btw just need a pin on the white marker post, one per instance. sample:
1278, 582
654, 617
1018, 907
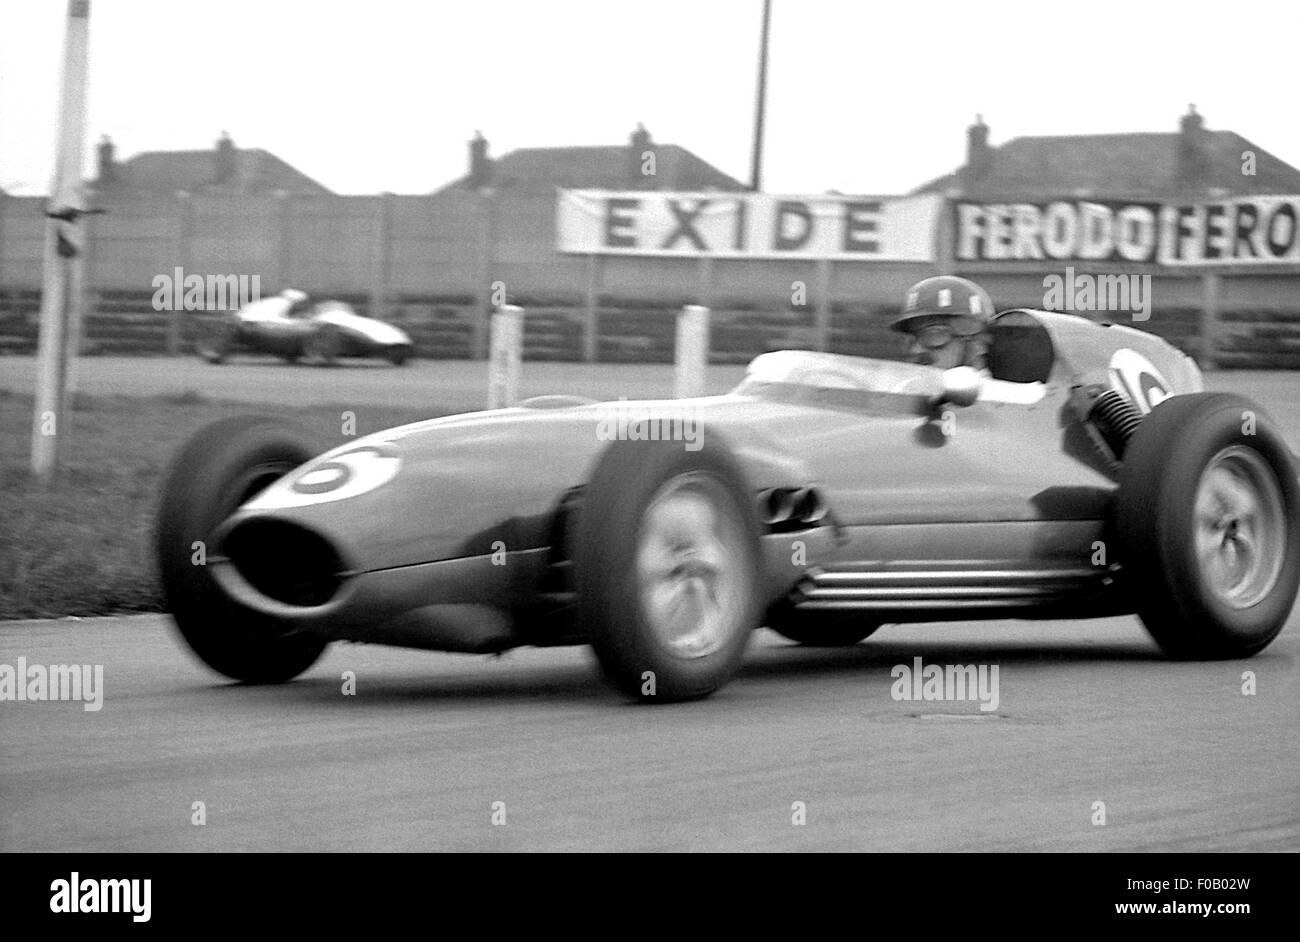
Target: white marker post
505, 356
64, 249
692, 354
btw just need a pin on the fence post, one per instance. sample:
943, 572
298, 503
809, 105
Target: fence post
945, 235
487, 261
383, 256
181, 256
692, 352
705, 285
81, 282
4, 209
1209, 320
822, 308
284, 247
505, 357
591, 309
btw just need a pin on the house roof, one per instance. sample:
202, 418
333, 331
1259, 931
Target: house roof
256, 171
602, 167
1119, 165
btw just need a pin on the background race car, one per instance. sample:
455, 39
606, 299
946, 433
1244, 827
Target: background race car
292, 326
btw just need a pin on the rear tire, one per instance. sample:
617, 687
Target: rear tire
221, 467
398, 355
667, 567
215, 342
323, 347
1208, 523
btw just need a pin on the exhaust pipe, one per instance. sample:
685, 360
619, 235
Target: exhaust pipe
793, 508
809, 507
780, 506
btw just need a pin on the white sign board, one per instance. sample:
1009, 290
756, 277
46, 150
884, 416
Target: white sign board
748, 225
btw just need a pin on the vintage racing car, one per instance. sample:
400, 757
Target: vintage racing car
292, 326
1088, 474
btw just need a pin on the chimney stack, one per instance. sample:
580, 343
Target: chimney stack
107, 165
1192, 155
979, 156
637, 161
480, 164
225, 159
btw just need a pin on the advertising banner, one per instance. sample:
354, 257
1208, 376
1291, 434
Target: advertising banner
1239, 231
747, 225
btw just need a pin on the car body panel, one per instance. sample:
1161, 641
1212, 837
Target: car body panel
366, 329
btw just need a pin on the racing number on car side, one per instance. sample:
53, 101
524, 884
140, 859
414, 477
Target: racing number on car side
1136, 378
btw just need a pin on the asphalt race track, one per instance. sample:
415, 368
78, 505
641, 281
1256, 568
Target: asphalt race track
416, 758
448, 385
1088, 712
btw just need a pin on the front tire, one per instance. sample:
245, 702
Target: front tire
667, 567
1208, 522
221, 467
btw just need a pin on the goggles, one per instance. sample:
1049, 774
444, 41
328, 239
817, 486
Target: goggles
934, 336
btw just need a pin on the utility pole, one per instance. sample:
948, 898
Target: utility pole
756, 165
64, 265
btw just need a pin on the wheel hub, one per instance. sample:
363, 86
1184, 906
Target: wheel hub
1240, 527
690, 567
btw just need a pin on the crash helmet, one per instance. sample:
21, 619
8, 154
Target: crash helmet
964, 305
293, 295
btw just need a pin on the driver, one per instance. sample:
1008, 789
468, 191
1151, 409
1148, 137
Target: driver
945, 319
299, 301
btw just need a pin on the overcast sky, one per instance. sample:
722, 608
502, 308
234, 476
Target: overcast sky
864, 97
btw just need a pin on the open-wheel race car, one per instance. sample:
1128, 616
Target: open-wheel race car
292, 326
1087, 473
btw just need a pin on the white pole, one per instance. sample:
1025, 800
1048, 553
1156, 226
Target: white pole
64, 246
505, 357
692, 354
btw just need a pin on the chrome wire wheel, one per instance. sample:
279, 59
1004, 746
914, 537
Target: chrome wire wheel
1240, 527
693, 575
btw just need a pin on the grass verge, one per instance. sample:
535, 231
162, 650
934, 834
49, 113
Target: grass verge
83, 545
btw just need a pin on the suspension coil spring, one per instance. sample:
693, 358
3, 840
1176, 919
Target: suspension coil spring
1116, 419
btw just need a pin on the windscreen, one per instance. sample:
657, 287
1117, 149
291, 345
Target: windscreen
833, 371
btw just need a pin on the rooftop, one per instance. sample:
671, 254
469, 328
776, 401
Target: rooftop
251, 171
605, 167
1121, 165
